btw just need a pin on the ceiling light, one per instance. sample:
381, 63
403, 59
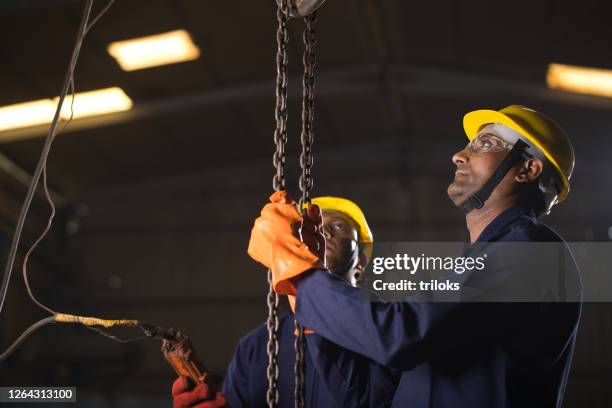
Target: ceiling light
26, 114
93, 103
154, 50
593, 81
40, 112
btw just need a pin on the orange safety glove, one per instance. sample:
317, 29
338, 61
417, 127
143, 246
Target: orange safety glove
184, 396
275, 241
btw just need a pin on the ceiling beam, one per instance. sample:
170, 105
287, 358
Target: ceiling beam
360, 79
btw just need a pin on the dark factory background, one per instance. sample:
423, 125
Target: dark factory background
155, 204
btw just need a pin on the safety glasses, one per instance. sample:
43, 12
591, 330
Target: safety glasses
487, 142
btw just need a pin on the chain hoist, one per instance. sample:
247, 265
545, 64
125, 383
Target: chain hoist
306, 9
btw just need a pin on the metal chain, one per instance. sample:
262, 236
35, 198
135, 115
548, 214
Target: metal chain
272, 396
306, 137
299, 345
278, 183
280, 114
306, 182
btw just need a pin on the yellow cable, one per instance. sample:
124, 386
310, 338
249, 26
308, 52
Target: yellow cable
93, 321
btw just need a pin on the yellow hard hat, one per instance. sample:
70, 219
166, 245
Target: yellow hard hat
350, 209
538, 130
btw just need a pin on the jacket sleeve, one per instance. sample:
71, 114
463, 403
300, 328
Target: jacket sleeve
400, 335
388, 333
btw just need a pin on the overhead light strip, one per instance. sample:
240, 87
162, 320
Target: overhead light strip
154, 50
585, 80
86, 104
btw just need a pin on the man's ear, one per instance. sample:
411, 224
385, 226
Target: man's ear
530, 170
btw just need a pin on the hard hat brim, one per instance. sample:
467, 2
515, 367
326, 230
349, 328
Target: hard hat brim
476, 120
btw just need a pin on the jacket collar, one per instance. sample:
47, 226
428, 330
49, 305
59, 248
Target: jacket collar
503, 221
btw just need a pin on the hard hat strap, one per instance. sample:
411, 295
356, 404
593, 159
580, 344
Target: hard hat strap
477, 200
352, 261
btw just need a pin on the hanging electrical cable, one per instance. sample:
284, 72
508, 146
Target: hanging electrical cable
42, 160
41, 169
176, 347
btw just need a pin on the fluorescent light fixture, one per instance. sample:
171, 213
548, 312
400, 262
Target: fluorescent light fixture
85, 104
593, 81
26, 114
93, 103
154, 50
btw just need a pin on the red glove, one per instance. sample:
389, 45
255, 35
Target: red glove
275, 241
198, 397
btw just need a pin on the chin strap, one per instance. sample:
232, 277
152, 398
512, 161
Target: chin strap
477, 200
350, 263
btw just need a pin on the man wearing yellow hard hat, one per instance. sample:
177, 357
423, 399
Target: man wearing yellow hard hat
348, 238
335, 377
515, 168
535, 139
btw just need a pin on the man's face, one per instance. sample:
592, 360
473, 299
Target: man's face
472, 171
341, 242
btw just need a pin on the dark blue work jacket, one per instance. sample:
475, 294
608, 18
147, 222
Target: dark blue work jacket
458, 355
335, 377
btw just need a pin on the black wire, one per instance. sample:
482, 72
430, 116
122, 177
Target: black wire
25, 335
150, 332
53, 132
51, 204
116, 338
84, 28
99, 16
40, 168
43, 157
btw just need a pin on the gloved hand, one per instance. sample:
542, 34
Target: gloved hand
275, 241
197, 397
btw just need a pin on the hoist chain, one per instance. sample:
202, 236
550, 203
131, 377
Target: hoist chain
272, 396
299, 345
306, 182
280, 113
278, 183
306, 137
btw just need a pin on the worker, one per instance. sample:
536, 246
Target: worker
334, 377
515, 168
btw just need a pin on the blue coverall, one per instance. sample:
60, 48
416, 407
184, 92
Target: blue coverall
458, 355
335, 377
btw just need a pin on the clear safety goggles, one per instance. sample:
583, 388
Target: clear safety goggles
487, 142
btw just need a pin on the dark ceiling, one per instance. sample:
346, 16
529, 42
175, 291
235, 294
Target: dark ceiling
403, 65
